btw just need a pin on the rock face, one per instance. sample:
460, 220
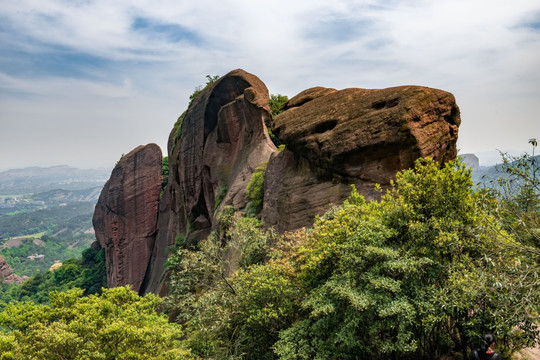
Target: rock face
353, 136
125, 218
213, 150
6, 273
333, 139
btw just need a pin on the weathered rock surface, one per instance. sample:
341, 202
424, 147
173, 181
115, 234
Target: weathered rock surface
333, 139
6, 273
212, 154
353, 136
125, 218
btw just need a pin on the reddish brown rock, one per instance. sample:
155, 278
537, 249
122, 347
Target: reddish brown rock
6, 273
308, 95
212, 154
352, 136
333, 139
125, 217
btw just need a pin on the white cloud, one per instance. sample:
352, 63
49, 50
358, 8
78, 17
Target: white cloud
82, 61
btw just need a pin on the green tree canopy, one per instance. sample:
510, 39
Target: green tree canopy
119, 324
422, 273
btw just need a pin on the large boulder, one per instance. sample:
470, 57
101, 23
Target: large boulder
353, 136
125, 218
213, 150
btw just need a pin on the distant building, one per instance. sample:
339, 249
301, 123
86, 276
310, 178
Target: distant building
35, 257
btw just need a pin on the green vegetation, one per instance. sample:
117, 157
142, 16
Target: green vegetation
518, 191
62, 235
276, 105
51, 218
217, 300
220, 195
255, 191
177, 129
423, 273
52, 249
116, 325
209, 80
165, 176
87, 272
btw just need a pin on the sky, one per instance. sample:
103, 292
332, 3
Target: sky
83, 82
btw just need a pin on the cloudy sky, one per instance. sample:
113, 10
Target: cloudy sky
84, 81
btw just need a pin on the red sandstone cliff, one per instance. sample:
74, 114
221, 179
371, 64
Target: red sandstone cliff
353, 136
333, 139
125, 217
222, 139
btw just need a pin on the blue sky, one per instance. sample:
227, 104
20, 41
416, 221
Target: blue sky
83, 82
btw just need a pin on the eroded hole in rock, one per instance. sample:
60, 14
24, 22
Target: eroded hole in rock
325, 126
392, 102
378, 105
453, 118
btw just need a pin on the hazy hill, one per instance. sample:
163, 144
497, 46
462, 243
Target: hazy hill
46, 212
487, 175
41, 179
68, 196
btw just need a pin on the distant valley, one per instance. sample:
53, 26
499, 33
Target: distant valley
33, 180
46, 215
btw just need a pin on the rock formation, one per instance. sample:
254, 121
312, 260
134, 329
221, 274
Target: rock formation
471, 161
6, 273
353, 136
333, 139
125, 217
213, 150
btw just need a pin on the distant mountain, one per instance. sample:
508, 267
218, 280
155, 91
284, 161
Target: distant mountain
471, 161
34, 180
486, 176
60, 196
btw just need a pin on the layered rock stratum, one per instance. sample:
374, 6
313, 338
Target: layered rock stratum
333, 138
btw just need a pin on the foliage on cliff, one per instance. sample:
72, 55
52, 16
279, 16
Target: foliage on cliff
255, 191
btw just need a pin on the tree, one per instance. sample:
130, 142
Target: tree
209, 80
518, 191
218, 293
422, 273
116, 325
276, 103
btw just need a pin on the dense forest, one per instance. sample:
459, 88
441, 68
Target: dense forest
421, 274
